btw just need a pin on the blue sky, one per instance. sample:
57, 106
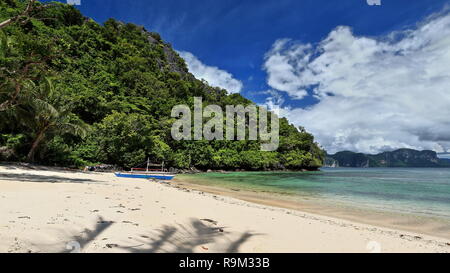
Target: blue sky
237, 39
234, 35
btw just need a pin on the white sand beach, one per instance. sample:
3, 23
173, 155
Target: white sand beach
50, 210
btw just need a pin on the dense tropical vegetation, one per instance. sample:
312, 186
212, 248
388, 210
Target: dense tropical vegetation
74, 93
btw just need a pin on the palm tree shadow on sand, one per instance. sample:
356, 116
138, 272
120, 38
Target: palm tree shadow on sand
196, 236
188, 238
88, 236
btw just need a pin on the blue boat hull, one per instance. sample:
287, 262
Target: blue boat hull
145, 176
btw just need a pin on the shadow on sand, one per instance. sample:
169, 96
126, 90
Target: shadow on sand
171, 239
188, 238
33, 167
41, 178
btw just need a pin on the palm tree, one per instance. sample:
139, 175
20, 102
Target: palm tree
14, 74
45, 118
22, 60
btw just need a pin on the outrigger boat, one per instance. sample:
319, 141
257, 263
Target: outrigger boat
145, 175
158, 174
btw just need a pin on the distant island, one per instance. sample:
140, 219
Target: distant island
397, 158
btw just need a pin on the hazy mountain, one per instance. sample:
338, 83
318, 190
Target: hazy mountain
397, 158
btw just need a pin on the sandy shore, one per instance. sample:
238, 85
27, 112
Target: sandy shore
59, 211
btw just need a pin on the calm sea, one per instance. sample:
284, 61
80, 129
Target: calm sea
416, 191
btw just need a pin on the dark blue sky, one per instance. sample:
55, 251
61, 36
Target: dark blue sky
234, 35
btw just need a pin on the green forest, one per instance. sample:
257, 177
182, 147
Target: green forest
76, 93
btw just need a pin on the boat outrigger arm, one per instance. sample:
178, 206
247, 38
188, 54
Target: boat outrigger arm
158, 174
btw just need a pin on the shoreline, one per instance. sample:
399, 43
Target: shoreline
44, 211
425, 225
430, 226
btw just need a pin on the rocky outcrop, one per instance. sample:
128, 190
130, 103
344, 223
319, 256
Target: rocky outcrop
7, 154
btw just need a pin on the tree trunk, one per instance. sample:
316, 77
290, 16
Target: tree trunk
10, 102
6, 23
36, 142
5, 105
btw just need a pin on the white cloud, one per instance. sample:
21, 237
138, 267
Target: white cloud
374, 94
284, 67
274, 101
213, 75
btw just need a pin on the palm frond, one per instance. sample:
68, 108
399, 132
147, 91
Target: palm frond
46, 88
72, 127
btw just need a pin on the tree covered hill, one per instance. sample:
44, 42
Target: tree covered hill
74, 93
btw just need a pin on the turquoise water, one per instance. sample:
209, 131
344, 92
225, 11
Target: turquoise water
415, 191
